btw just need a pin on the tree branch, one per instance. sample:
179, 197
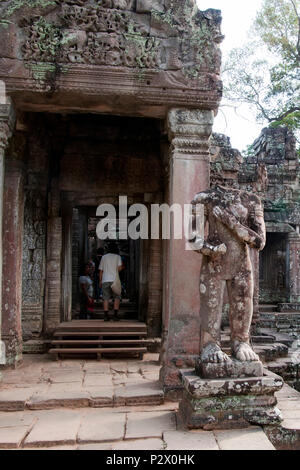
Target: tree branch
285, 114
298, 17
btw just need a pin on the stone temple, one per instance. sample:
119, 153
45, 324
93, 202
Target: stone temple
101, 99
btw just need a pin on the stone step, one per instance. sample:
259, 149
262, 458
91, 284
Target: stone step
278, 336
282, 321
262, 339
97, 333
98, 351
266, 352
267, 307
67, 342
287, 367
286, 435
101, 326
289, 307
269, 352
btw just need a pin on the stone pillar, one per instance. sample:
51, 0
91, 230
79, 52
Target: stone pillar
155, 290
13, 219
189, 162
7, 120
294, 266
53, 267
254, 255
67, 226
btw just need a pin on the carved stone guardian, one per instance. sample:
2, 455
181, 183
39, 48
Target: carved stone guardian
241, 391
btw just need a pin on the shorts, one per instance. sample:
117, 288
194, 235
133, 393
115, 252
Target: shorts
107, 292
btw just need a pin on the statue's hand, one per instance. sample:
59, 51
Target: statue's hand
214, 251
217, 212
221, 249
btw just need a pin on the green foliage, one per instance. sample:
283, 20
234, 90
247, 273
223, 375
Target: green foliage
248, 152
265, 72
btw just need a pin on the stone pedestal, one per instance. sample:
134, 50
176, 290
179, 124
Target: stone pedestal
189, 162
228, 403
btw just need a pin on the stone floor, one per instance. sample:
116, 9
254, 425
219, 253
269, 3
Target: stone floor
107, 405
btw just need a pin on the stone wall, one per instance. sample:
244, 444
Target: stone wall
35, 225
34, 262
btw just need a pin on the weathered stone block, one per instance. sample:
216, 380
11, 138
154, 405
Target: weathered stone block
232, 368
229, 403
200, 388
146, 6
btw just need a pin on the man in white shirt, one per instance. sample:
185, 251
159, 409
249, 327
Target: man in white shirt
110, 265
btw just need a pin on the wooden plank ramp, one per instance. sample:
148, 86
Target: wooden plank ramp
97, 337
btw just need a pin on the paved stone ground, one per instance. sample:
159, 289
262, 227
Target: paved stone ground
41, 383
107, 405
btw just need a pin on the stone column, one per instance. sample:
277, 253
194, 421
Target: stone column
254, 255
294, 266
189, 133
13, 219
53, 267
7, 120
67, 225
155, 290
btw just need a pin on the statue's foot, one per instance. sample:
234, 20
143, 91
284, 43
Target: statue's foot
213, 353
244, 352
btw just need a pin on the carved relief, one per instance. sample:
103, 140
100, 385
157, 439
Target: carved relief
118, 4
43, 41
4, 134
98, 19
46, 43
107, 33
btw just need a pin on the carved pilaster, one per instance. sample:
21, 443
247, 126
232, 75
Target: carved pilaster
7, 120
294, 266
13, 211
53, 267
189, 131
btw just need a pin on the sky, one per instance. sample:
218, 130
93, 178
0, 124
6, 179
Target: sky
238, 16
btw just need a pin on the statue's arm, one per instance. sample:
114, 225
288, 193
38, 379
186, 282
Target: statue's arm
244, 233
199, 244
258, 225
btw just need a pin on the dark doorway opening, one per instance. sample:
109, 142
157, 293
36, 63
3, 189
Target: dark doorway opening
85, 244
273, 273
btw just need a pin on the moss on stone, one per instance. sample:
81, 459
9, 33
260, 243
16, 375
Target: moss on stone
15, 5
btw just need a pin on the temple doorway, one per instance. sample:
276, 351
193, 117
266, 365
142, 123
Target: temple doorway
86, 246
273, 282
